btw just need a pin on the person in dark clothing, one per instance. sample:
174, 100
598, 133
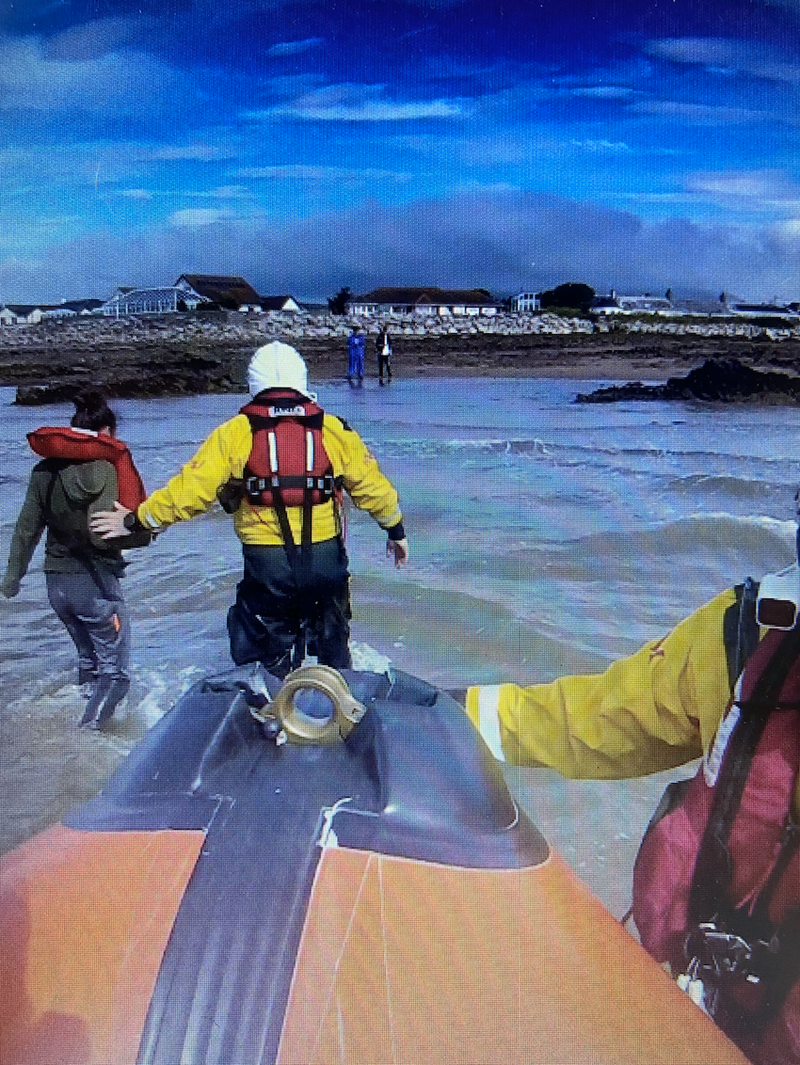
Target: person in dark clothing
82, 571
383, 350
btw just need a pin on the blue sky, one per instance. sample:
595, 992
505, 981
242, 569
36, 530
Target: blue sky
306, 146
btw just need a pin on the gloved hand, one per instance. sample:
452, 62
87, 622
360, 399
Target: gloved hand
10, 587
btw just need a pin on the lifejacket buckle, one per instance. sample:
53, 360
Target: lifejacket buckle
719, 953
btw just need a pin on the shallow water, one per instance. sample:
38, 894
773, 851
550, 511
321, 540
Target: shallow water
546, 538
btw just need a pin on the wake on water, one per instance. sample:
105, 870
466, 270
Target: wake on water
546, 537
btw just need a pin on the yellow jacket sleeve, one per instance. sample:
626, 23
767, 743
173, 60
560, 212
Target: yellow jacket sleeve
193, 490
362, 477
654, 710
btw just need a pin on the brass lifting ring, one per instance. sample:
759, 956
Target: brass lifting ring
319, 727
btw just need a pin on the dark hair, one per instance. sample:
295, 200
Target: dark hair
92, 412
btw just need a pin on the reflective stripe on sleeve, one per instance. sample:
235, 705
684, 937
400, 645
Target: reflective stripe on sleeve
148, 520
489, 711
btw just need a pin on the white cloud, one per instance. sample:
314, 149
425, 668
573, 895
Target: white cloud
601, 146
359, 103
604, 92
194, 217
321, 175
701, 114
789, 230
727, 56
94, 39
756, 189
120, 82
285, 48
195, 151
488, 238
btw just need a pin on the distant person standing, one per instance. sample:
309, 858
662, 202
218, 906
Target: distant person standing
84, 469
383, 349
355, 352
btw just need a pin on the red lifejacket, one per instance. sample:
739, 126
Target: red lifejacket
288, 463
82, 445
716, 888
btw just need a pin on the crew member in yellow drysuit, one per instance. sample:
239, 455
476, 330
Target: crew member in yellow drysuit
296, 575
716, 891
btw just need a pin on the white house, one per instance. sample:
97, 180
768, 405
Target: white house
525, 302
646, 304
22, 314
763, 310
424, 301
149, 301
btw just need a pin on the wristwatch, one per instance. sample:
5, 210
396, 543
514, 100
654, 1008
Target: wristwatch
132, 523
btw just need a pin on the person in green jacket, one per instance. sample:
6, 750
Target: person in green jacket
82, 571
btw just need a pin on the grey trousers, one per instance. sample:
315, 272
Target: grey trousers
97, 621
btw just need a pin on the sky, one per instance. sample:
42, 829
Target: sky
635, 145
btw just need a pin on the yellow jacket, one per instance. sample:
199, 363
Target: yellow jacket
224, 454
657, 709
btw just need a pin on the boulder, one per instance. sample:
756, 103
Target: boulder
716, 381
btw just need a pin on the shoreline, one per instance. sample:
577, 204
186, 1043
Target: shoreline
147, 358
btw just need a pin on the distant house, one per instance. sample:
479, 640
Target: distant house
614, 304
232, 293
700, 308
605, 305
425, 301
525, 302
72, 308
164, 300
22, 314
763, 310
279, 303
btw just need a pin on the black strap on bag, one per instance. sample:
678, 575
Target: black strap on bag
740, 631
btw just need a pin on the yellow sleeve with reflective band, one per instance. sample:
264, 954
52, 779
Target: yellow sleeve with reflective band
654, 710
223, 454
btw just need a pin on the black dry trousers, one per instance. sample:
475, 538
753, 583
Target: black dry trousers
281, 603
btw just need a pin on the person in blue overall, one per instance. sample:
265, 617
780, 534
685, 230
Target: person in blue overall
355, 351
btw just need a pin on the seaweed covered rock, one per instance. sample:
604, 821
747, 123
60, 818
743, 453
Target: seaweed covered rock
716, 381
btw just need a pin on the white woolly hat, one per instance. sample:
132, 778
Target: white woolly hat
277, 365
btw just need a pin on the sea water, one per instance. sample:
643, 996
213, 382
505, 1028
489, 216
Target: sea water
547, 537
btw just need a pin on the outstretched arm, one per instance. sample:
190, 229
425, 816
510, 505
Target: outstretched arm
654, 710
193, 490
